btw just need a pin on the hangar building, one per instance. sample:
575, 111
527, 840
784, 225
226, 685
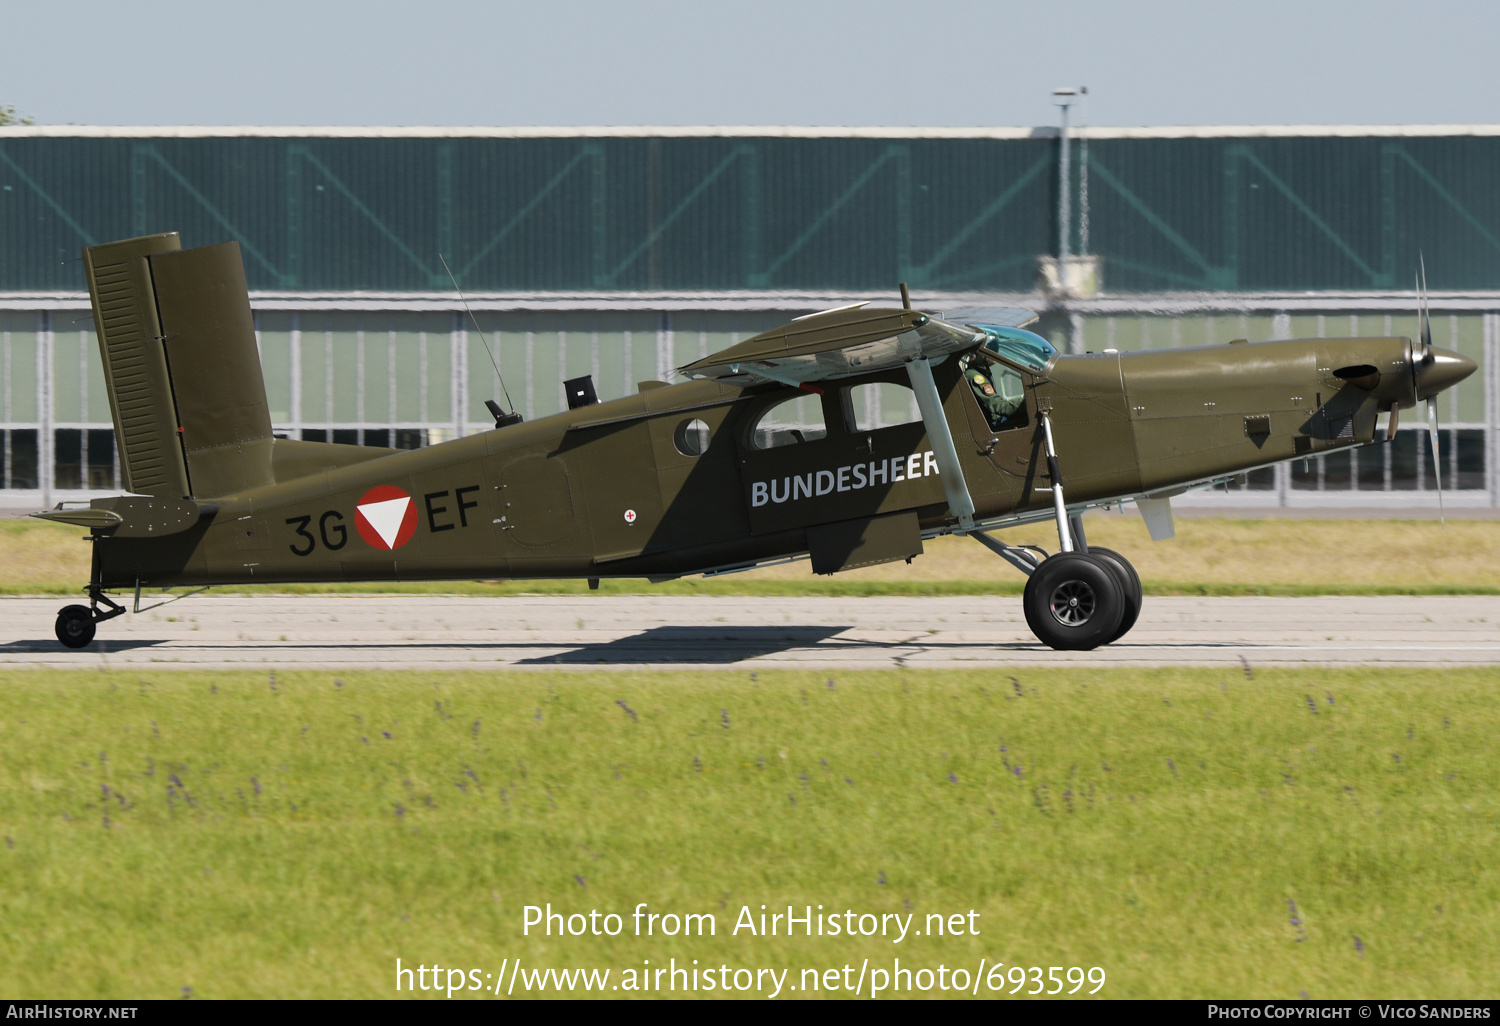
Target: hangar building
626, 252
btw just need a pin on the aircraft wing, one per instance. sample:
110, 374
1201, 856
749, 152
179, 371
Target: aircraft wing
999, 316
836, 344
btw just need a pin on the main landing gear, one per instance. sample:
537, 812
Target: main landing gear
1083, 596
1081, 600
1130, 582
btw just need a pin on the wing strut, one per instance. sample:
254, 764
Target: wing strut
943, 450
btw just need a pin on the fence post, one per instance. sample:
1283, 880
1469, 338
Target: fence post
1491, 372
45, 381
664, 346
294, 347
459, 346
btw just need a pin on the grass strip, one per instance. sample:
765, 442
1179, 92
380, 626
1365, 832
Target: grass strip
1193, 832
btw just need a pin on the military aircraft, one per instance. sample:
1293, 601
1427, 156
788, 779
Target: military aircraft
767, 452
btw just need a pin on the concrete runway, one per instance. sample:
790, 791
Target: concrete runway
615, 633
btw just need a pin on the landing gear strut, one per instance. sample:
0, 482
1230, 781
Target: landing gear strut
1082, 597
1074, 600
76, 624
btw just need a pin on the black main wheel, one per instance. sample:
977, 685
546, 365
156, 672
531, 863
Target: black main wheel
1130, 581
75, 626
1074, 601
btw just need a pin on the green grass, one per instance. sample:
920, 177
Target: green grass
250, 836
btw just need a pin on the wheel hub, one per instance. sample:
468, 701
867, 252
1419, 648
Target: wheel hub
1073, 603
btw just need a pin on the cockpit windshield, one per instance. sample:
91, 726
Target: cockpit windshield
1025, 348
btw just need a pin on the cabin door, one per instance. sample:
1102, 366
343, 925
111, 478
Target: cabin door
1000, 403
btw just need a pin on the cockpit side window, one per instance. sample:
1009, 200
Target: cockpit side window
999, 390
790, 422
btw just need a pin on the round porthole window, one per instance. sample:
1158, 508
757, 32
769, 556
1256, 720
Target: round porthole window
691, 438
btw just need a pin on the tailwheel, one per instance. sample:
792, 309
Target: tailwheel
1074, 601
75, 626
1130, 582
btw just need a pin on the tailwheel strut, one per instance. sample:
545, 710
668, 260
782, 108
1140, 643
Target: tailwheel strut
77, 624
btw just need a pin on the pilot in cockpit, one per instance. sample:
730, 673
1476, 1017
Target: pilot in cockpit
999, 390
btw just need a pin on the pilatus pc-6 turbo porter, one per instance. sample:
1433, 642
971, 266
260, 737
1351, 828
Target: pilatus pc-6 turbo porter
766, 452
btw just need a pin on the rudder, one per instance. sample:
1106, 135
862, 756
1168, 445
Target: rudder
135, 364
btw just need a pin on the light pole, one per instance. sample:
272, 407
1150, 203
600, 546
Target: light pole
1064, 98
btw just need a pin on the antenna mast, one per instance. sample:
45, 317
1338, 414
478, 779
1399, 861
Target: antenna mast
480, 330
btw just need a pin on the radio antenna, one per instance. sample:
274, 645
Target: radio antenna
480, 330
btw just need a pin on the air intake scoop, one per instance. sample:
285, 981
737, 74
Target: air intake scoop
1361, 375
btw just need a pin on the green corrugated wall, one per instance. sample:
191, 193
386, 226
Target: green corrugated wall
608, 214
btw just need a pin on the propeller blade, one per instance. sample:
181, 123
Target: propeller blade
1426, 327
1437, 460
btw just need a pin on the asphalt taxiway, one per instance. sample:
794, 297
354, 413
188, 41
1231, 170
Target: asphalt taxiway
634, 632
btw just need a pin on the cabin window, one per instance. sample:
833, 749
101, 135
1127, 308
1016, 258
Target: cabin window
790, 422
880, 404
691, 438
999, 391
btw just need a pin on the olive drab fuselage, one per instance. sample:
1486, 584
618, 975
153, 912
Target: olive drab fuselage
607, 490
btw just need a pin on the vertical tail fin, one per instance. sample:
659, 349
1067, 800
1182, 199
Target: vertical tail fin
135, 364
184, 316
220, 393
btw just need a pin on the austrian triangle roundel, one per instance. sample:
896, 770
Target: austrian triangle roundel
385, 517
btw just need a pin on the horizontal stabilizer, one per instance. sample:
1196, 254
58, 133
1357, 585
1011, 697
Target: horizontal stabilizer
94, 519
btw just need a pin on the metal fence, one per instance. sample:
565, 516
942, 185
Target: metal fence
390, 373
